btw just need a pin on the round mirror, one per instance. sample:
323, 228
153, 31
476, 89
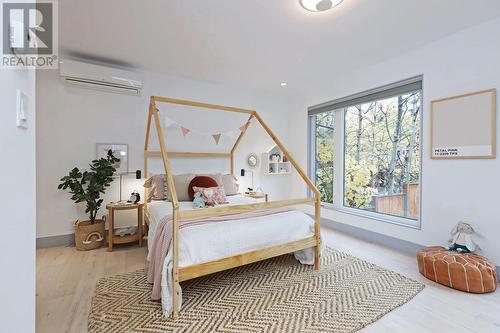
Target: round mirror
252, 160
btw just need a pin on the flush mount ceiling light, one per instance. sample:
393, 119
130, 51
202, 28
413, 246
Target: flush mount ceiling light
319, 5
283, 84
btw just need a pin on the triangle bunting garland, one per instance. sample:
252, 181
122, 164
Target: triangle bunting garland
244, 128
185, 131
216, 138
168, 122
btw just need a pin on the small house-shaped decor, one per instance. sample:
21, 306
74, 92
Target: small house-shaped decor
275, 162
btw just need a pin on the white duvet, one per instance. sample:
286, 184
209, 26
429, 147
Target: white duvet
212, 241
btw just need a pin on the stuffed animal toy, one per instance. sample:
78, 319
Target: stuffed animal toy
198, 201
461, 240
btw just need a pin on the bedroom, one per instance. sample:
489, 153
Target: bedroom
350, 101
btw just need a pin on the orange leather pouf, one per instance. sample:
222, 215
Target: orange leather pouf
463, 271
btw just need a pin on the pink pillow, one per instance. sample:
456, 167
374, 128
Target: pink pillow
156, 185
200, 182
212, 195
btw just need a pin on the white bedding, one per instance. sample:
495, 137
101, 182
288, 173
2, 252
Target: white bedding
212, 241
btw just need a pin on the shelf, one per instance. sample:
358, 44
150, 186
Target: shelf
125, 239
276, 166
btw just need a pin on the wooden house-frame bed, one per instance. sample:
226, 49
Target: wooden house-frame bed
180, 274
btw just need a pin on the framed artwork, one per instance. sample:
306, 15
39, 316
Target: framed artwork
464, 127
119, 150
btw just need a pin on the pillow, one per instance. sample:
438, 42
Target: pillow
200, 181
230, 184
156, 184
212, 195
181, 183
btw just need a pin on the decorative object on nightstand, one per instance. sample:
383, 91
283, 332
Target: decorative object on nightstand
275, 162
136, 237
135, 197
257, 195
87, 186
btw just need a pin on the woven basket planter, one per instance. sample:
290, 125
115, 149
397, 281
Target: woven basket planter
89, 236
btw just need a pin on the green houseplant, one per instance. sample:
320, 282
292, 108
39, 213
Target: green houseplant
87, 187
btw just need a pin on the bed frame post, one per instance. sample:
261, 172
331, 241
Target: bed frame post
317, 209
237, 143
146, 146
175, 209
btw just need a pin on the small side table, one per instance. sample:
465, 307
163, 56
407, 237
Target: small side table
257, 195
112, 207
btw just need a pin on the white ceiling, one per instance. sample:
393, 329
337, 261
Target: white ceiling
258, 43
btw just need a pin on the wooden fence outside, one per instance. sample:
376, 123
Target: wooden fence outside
405, 204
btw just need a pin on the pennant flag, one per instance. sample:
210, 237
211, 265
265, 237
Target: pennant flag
185, 131
244, 127
168, 122
216, 138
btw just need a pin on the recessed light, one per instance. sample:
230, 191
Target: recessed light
319, 5
283, 84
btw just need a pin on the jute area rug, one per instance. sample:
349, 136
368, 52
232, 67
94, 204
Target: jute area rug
276, 295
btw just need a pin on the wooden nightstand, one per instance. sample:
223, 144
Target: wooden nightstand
257, 195
112, 239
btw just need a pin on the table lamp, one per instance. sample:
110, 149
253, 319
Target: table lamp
138, 175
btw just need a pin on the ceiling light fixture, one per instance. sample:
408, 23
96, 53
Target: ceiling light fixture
319, 5
283, 84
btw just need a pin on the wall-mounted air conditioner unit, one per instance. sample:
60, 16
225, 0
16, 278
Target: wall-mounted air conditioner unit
99, 77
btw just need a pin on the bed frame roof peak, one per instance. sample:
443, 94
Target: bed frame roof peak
165, 154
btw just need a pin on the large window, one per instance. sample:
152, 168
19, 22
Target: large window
382, 155
379, 158
322, 159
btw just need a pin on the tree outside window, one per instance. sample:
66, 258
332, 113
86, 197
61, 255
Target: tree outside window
382, 156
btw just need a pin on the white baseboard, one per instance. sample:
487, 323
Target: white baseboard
59, 240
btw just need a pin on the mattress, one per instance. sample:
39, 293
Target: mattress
212, 241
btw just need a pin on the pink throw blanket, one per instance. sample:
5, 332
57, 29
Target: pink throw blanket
163, 237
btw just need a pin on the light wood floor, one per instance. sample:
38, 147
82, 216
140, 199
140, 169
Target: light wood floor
66, 280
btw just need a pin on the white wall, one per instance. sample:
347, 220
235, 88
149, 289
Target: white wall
452, 190
18, 203
72, 120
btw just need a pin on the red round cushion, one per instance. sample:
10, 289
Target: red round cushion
200, 181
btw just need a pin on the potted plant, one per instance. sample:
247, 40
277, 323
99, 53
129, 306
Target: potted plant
87, 186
